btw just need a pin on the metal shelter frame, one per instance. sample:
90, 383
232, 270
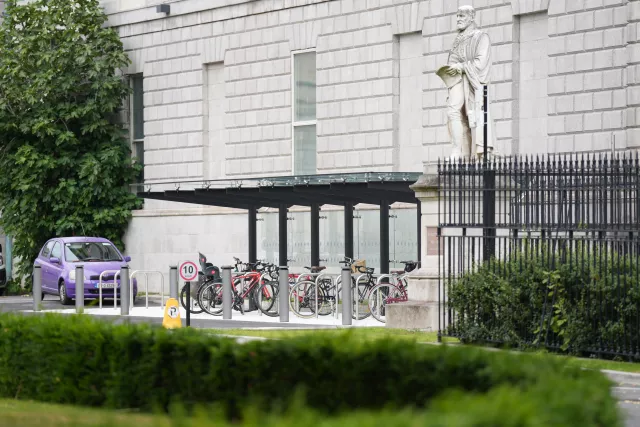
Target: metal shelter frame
282, 192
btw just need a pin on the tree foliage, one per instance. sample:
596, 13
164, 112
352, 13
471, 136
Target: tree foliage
64, 160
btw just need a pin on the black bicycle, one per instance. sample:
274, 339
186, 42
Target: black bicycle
208, 273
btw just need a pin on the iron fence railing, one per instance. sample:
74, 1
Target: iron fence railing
542, 252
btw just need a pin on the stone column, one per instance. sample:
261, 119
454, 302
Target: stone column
421, 311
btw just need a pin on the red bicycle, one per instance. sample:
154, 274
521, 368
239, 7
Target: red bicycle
255, 282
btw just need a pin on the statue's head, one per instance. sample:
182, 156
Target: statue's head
465, 17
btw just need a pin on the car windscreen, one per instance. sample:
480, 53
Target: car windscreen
90, 251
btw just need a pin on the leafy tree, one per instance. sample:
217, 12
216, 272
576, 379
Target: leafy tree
65, 165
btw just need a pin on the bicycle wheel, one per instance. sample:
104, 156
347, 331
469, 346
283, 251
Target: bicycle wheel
303, 299
378, 299
210, 298
241, 287
195, 305
329, 292
266, 298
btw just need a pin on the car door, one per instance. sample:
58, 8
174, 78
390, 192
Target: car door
45, 266
56, 269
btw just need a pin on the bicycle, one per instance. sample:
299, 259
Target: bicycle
389, 293
305, 300
365, 285
245, 285
208, 273
312, 296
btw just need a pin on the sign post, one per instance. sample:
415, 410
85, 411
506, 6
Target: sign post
188, 272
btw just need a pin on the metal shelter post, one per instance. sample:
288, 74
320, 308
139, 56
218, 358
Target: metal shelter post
282, 235
80, 289
315, 234
384, 237
348, 230
226, 292
253, 234
283, 293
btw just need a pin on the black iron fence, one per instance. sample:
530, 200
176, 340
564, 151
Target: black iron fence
542, 252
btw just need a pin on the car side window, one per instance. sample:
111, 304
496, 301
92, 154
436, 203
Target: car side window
56, 252
47, 249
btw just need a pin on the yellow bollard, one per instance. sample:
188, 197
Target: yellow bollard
172, 315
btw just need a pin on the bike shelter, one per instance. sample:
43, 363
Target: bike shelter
313, 191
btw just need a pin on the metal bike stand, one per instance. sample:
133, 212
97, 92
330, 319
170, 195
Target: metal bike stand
283, 301
116, 273
346, 296
379, 282
124, 290
79, 289
173, 283
37, 287
226, 292
356, 291
335, 286
146, 284
306, 276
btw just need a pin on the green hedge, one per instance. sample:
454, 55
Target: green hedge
577, 298
77, 360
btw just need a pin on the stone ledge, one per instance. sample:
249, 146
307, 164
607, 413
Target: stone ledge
419, 315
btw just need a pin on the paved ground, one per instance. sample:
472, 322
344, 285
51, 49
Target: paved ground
627, 391
629, 397
19, 304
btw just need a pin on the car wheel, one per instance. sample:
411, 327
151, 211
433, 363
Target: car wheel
64, 298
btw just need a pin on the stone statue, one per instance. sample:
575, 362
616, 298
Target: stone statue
467, 71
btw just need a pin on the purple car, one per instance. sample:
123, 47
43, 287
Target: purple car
59, 257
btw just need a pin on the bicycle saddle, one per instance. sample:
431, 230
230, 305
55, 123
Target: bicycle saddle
367, 270
397, 271
316, 269
409, 266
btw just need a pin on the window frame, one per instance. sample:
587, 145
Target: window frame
56, 245
132, 128
45, 253
301, 123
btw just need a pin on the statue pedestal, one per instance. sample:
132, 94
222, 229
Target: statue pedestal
421, 311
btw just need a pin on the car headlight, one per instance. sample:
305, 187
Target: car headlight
72, 275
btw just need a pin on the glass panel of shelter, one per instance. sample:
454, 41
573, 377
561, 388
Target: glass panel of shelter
366, 237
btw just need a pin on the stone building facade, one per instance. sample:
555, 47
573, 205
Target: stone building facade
226, 89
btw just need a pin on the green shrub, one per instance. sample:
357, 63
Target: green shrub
581, 299
77, 360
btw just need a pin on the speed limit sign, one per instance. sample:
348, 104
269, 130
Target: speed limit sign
188, 271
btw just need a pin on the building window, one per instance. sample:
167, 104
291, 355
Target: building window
304, 113
137, 122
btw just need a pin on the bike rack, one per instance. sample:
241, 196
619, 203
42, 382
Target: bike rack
307, 276
395, 278
146, 286
355, 291
384, 276
335, 287
115, 287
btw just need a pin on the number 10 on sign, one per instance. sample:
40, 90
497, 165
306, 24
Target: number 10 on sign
188, 271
